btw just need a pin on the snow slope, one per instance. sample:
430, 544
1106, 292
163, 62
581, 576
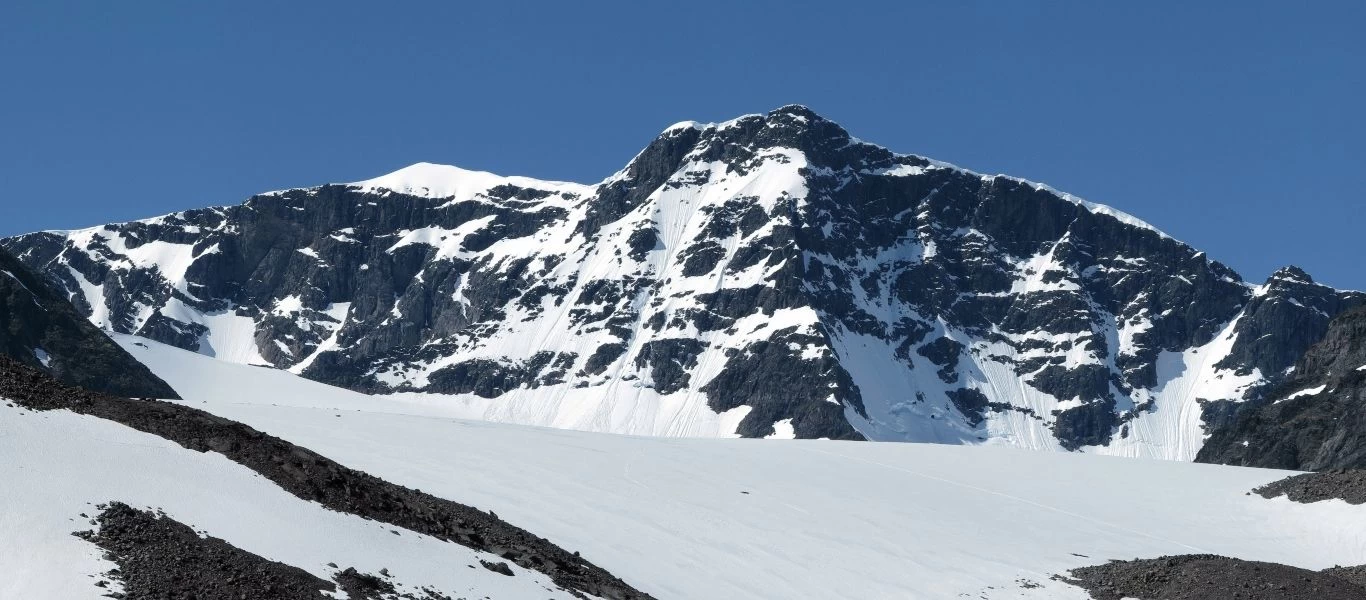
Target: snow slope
716, 518
57, 465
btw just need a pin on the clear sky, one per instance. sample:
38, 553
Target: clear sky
1235, 126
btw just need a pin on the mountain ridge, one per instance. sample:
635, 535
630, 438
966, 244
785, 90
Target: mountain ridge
765, 276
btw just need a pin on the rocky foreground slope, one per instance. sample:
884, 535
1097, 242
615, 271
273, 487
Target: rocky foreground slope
766, 276
307, 476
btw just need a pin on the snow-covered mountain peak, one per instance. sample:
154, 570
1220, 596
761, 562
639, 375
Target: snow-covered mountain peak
825, 145
682, 125
770, 275
430, 180
794, 126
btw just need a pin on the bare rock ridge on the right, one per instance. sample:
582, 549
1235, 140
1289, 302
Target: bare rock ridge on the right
1315, 419
772, 275
1206, 577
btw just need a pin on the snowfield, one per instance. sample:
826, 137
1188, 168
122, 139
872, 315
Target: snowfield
677, 518
56, 466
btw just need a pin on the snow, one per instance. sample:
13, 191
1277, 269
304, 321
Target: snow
446, 241
1030, 273
344, 236
58, 465
777, 519
1314, 391
445, 181
633, 409
172, 260
43, 357
230, 337
339, 313
94, 298
782, 430
681, 125
1173, 429
288, 305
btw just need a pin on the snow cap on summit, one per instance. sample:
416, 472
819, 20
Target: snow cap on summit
430, 180
797, 110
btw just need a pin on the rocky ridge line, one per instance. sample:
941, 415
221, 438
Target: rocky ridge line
1207, 576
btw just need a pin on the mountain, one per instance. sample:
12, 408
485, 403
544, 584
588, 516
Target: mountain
1316, 419
768, 276
42, 330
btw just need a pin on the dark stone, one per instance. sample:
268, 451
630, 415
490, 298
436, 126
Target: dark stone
642, 241
158, 557
943, 352
603, 357
1281, 324
670, 361
499, 567
1085, 382
1200, 576
972, 403
487, 378
701, 259
1086, 425
1348, 486
512, 192
777, 383
363, 586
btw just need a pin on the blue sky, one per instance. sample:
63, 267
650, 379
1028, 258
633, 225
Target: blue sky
1235, 126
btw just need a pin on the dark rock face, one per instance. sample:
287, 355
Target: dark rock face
1202, 576
943, 352
774, 379
42, 330
670, 362
315, 478
972, 403
1315, 419
1086, 425
1277, 326
911, 287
